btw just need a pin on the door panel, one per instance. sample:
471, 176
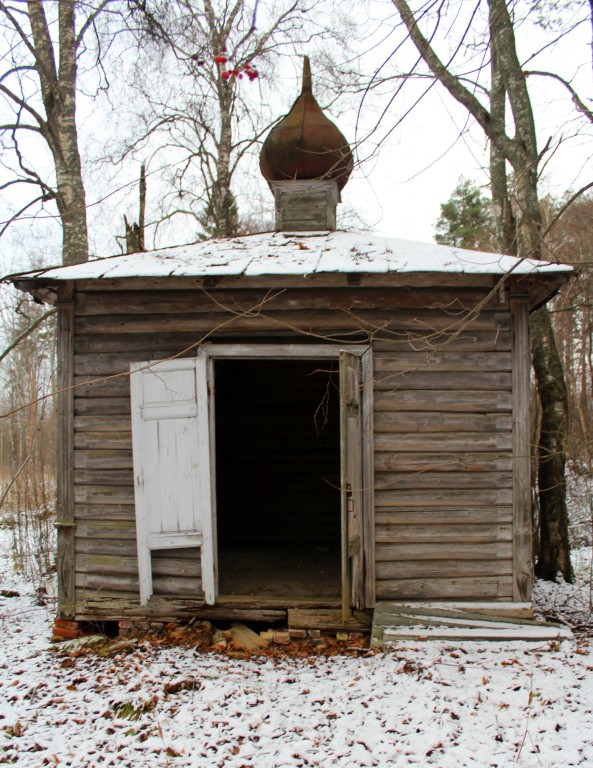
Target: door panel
351, 482
170, 434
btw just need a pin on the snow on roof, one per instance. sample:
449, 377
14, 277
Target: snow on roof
304, 253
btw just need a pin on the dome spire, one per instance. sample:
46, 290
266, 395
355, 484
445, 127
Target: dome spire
307, 86
305, 146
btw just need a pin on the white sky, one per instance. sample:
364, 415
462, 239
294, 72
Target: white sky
401, 180
401, 189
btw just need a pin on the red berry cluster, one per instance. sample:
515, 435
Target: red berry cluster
226, 74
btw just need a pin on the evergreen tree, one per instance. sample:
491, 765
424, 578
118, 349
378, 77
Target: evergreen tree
466, 219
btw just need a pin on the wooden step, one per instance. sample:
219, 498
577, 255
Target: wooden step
529, 633
503, 609
460, 621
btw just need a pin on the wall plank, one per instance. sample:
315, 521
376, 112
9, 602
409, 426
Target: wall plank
471, 588
443, 532
439, 569
452, 551
442, 462
418, 421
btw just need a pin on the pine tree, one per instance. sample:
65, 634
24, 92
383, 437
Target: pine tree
466, 219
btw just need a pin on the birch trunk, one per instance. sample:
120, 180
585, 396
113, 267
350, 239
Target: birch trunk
221, 219
58, 90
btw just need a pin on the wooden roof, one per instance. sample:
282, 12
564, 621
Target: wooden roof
299, 254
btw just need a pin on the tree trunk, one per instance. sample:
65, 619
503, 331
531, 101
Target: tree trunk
509, 86
554, 550
58, 90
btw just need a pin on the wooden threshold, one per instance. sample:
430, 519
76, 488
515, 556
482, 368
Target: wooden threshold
277, 602
328, 619
291, 612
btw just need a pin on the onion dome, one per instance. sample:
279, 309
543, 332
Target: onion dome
305, 144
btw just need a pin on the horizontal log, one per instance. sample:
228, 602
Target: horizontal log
498, 550
119, 547
108, 459
255, 613
307, 321
176, 586
178, 553
123, 512
430, 516
470, 341
460, 401
154, 347
417, 421
113, 364
389, 461
441, 380
105, 529
91, 423
442, 442
395, 481
101, 406
103, 494
104, 440
184, 301
442, 569
496, 588
114, 606
442, 498
104, 605
106, 563
316, 279
181, 568
94, 386
460, 533
158, 346
443, 361
115, 477
114, 582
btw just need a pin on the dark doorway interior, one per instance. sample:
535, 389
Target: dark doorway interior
277, 477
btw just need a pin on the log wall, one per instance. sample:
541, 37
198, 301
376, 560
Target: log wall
443, 427
443, 466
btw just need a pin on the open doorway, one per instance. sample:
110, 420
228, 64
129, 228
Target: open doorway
278, 506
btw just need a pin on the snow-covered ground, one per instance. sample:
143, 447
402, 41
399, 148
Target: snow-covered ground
433, 703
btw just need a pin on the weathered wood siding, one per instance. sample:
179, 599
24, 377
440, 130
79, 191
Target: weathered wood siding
443, 461
442, 426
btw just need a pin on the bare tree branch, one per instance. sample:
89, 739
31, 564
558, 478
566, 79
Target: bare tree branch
577, 101
27, 332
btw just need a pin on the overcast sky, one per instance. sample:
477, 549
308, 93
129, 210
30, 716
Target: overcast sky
406, 168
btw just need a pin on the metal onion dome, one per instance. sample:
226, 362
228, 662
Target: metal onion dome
305, 144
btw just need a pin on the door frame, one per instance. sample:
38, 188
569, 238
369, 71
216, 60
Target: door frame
211, 352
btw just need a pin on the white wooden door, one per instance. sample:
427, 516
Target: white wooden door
171, 447
351, 482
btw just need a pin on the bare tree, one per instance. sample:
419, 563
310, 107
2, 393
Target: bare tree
27, 434
42, 44
210, 104
513, 145
569, 240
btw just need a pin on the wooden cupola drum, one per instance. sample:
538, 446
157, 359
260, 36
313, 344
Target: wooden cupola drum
306, 161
